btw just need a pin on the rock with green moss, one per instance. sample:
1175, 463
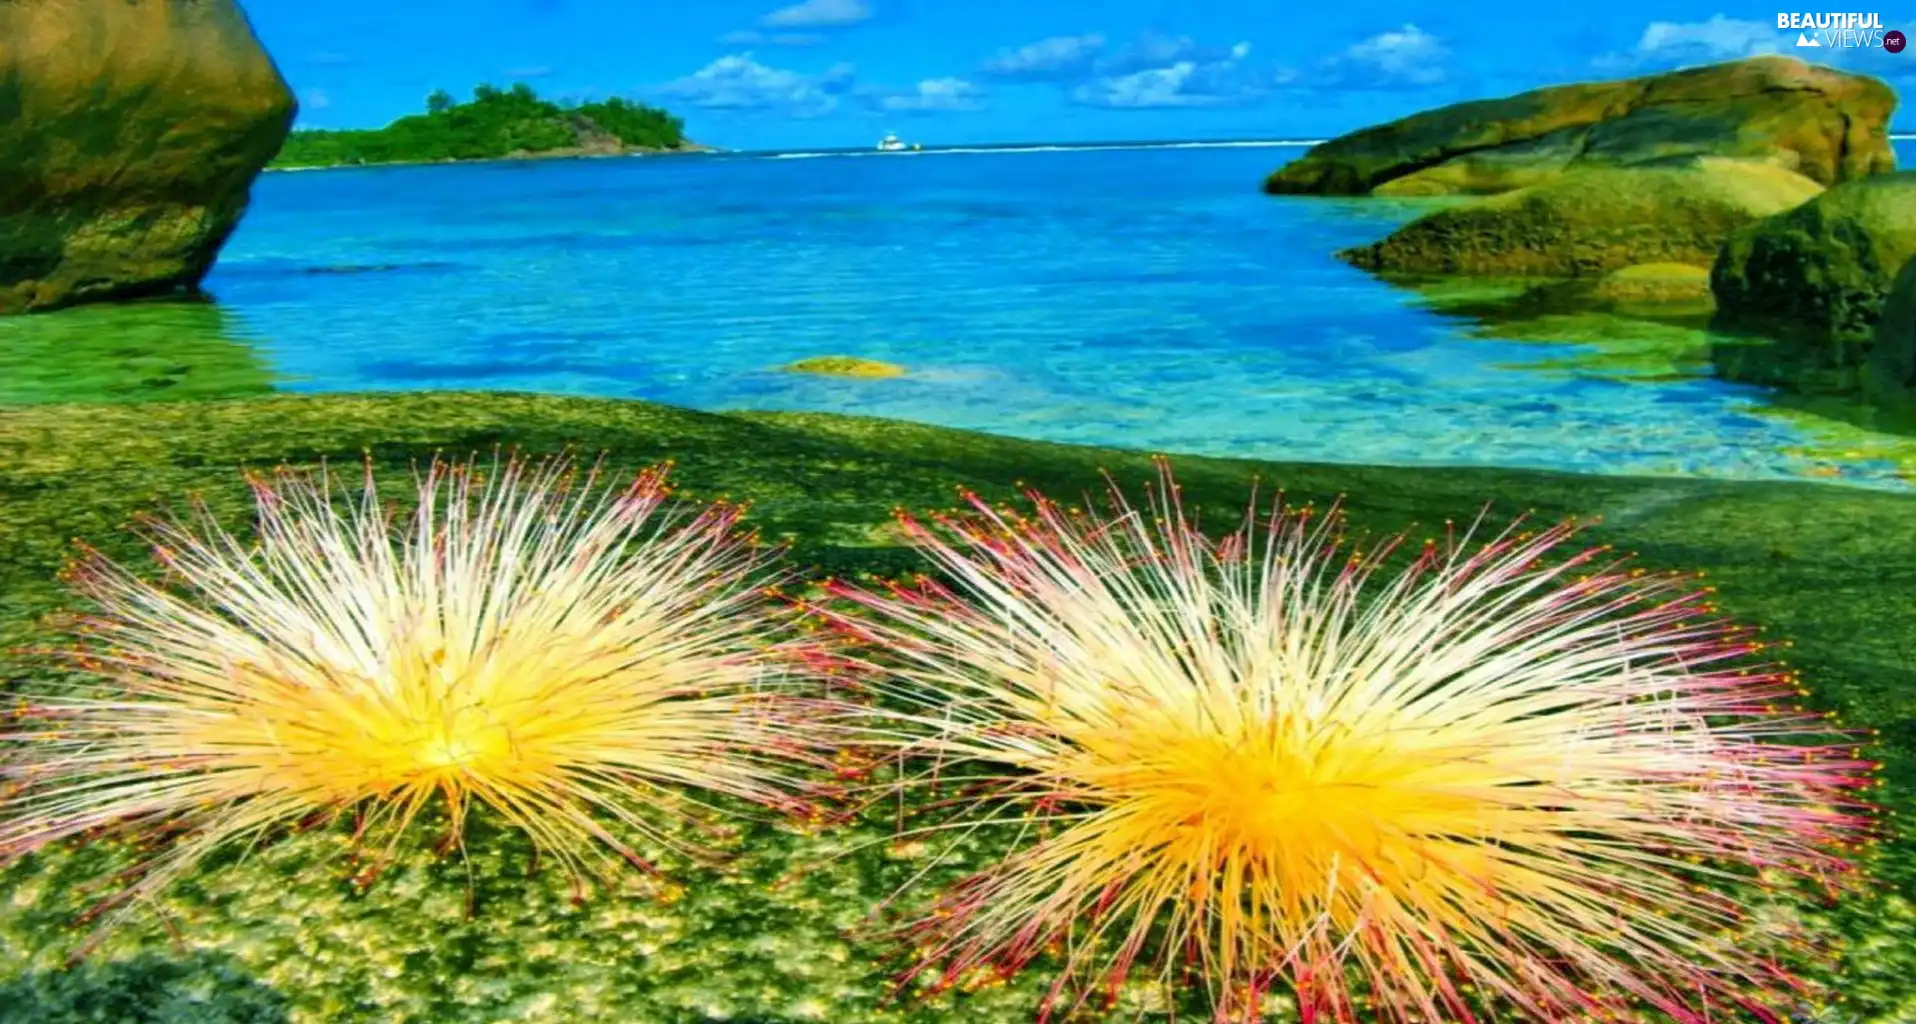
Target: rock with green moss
1655, 284
1812, 281
1593, 221
133, 130
1893, 360
845, 366
1828, 125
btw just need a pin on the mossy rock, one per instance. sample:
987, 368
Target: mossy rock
1593, 221
1655, 284
1892, 375
1831, 126
1490, 171
845, 366
133, 130
1812, 281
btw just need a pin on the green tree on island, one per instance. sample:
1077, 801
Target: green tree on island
495, 123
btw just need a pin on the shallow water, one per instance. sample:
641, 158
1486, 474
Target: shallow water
1147, 298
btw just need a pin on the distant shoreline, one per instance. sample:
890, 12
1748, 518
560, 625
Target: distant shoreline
777, 154
1035, 147
689, 149
797, 154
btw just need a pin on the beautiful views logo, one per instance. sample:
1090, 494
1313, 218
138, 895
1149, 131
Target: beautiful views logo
1842, 30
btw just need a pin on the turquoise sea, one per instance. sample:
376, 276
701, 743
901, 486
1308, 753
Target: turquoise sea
1144, 297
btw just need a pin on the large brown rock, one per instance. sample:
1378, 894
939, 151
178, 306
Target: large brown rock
1828, 125
1813, 281
1593, 221
130, 135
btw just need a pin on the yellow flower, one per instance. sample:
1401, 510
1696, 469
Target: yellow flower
1401, 783
530, 639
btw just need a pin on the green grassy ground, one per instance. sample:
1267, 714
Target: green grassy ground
775, 935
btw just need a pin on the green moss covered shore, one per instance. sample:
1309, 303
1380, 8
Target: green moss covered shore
774, 935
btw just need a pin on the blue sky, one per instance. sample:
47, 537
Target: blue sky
755, 74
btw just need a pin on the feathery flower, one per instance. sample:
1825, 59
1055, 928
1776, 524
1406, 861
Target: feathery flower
1472, 780
531, 638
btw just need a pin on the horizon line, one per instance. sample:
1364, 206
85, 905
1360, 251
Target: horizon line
1244, 140
1893, 136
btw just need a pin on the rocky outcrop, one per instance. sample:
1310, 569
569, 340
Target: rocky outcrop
1813, 280
1828, 125
1654, 284
1593, 221
1892, 375
132, 132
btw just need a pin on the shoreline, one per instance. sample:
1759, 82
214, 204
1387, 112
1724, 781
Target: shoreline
697, 150
789, 154
690, 149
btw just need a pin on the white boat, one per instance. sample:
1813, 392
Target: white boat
890, 144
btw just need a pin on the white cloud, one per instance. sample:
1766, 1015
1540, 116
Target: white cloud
1896, 68
1718, 38
1403, 56
315, 99
1046, 59
1184, 84
1152, 70
1153, 87
1152, 51
1670, 44
1162, 71
753, 37
739, 82
940, 95
818, 14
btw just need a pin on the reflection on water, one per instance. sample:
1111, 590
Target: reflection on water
143, 351
1663, 343
1652, 343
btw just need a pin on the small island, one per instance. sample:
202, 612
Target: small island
496, 124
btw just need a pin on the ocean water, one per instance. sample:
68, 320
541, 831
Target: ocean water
1141, 297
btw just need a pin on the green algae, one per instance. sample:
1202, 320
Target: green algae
778, 933
130, 352
1611, 347
1583, 333
143, 989
845, 366
1841, 431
